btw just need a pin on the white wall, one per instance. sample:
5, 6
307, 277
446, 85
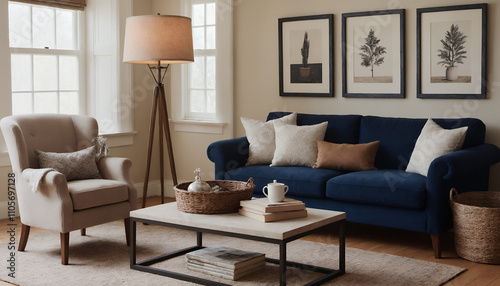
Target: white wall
256, 66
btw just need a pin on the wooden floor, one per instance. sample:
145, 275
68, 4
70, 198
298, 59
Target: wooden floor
391, 241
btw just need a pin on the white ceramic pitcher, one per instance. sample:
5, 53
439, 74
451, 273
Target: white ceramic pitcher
275, 191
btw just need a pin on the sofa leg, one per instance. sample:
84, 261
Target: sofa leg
64, 248
126, 222
25, 233
83, 231
436, 244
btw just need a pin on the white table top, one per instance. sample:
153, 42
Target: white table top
236, 223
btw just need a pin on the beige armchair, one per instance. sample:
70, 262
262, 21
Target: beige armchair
62, 205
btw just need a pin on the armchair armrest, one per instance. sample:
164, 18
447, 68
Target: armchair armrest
51, 207
464, 162
114, 168
228, 154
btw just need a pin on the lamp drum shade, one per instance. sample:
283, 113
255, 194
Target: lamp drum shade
162, 38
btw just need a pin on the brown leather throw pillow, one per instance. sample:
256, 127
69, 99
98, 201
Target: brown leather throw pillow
347, 157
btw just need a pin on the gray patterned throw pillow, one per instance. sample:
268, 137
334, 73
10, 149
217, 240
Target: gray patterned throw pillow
75, 165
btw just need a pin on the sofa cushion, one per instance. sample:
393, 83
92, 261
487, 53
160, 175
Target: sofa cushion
349, 157
392, 188
261, 136
434, 141
296, 145
301, 181
341, 128
96, 192
397, 136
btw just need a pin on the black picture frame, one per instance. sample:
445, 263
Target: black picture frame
318, 82
355, 82
431, 84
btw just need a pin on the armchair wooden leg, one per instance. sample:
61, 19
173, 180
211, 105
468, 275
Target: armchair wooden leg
25, 232
83, 231
436, 244
64, 248
127, 230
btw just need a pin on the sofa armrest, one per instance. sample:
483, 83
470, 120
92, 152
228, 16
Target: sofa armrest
114, 168
464, 162
465, 170
228, 154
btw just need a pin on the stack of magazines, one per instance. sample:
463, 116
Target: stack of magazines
266, 211
225, 262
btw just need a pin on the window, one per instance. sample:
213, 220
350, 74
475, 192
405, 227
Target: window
47, 64
201, 99
206, 85
68, 61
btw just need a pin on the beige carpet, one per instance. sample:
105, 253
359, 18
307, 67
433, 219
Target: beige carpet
102, 258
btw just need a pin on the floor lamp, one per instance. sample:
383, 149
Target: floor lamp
158, 41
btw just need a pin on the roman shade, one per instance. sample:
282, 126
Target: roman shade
66, 4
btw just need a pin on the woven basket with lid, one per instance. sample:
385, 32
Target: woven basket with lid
214, 202
476, 221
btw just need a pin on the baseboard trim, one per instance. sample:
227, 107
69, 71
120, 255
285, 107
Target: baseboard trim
154, 189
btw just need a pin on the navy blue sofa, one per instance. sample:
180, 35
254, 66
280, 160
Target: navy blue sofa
388, 196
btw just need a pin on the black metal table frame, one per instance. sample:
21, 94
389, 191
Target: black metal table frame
145, 265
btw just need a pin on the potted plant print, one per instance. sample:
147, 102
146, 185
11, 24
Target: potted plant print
453, 52
305, 70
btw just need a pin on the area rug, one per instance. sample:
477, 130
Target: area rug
102, 258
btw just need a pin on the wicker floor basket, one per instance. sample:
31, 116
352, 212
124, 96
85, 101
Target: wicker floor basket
476, 219
214, 202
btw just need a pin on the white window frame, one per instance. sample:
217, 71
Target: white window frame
125, 134
116, 93
224, 78
200, 53
78, 52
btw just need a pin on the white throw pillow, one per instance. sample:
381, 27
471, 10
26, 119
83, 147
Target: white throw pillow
434, 141
296, 145
260, 135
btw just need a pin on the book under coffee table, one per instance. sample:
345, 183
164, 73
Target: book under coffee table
235, 225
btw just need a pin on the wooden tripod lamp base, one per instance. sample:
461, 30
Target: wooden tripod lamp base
159, 107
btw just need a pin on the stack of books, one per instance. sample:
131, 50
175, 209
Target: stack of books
266, 211
225, 262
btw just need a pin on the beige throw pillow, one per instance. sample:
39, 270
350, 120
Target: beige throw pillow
347, 157
296, 145
75, 165
434, 141
260, 135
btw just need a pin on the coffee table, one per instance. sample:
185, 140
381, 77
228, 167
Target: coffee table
235, 225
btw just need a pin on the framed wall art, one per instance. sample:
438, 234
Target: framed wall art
306, 55
451, 51
373, 54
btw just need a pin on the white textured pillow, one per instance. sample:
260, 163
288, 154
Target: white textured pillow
296, 145
75, 165
434, 141
260, 135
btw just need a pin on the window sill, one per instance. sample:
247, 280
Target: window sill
197, 126
113, 140
119, 139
